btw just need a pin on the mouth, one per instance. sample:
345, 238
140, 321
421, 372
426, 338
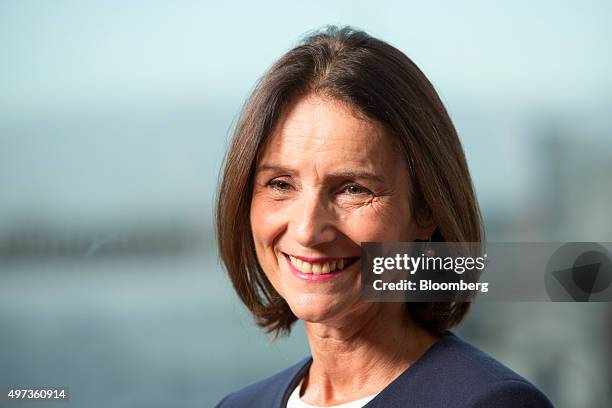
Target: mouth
318, 268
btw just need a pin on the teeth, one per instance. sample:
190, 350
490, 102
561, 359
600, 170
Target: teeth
302, 266
317, 268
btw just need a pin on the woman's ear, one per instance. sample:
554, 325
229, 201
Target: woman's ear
425, 224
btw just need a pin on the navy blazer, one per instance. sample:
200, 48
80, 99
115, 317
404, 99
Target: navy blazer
452, 373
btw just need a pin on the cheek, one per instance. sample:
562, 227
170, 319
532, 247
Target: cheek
266, 224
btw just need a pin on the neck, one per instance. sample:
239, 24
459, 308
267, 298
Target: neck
361, 354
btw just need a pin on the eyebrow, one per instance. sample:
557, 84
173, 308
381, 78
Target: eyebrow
353, 174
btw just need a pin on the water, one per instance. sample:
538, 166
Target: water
132, 332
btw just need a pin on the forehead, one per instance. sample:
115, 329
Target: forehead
313, 125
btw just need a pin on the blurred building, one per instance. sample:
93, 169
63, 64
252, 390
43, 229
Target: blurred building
570, 200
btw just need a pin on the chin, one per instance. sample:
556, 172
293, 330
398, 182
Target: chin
315, 309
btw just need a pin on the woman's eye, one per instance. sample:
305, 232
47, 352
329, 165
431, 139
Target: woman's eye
279, 185
355, 189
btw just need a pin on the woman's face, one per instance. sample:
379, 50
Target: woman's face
326, 182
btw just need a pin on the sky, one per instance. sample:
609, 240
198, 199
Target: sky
57, 54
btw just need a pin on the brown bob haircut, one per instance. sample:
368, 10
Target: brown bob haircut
383, 84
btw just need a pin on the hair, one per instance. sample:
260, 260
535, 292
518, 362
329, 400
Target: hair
382, 83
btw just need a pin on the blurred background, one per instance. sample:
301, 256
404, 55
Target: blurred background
114, 119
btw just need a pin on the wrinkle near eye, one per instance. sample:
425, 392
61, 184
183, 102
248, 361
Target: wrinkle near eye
381, 208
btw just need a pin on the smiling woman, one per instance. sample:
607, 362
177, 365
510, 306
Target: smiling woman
344, 141
326, 181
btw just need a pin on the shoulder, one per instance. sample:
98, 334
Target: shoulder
455, 373
268, 392
508, 394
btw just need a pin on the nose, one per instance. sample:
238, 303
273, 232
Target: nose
313, 221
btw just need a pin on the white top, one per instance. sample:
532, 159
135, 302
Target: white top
295, 401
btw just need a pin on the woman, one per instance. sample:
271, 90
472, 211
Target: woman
344, 141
